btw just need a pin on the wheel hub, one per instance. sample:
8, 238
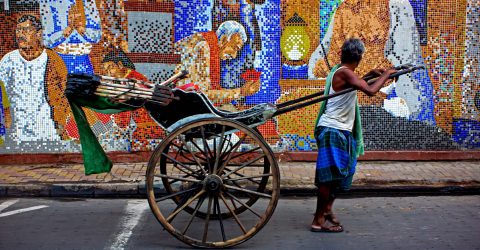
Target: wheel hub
213, 183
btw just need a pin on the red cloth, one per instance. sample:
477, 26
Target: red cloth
190, 86
133, 74
250, 75
212, 40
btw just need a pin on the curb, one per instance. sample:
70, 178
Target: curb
391, 191
138, 190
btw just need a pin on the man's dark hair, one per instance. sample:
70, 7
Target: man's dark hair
119, 56
35, 22
352, 50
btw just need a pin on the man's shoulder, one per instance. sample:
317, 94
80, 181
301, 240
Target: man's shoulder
52, 55
343, 76
54, 58
342, 72
10, 55
345, 71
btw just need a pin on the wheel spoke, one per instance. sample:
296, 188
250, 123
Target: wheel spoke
177, 178
186, 175
207, 219
247, 191
241, 175
219, 150
179, 163
182, 202
175, 194
249, 177
237, 185
194, 157
199, 204
181, 149
201, 150
233, 149
185, 172
233, 214
219, 214
246, 152
233, 202
229, 145
174, 213
237, 144
243, 204
205, 143
244, 165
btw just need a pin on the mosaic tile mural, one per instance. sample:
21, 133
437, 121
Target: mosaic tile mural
241, 53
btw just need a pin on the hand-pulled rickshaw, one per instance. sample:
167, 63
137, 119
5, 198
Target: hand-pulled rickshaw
213, 181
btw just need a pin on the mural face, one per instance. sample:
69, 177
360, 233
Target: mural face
241, 53
27, 36
229, 48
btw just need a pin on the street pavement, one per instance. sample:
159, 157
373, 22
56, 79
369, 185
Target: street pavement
52, 180
424, 222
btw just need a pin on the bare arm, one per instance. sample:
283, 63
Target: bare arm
352, 80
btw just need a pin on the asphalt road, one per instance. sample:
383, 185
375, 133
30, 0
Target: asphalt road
437, 222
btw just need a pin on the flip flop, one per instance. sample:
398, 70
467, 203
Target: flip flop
332, 218
327, 229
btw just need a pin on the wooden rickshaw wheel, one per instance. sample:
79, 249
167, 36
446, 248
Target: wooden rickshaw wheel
217, 172
262, 183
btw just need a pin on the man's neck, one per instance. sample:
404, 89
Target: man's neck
31, 53
351, 66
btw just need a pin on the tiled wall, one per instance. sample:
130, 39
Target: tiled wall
290, 43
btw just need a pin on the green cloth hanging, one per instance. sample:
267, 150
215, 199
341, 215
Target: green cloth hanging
95, 159
357, 125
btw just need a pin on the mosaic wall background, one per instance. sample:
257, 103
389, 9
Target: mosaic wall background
273, 51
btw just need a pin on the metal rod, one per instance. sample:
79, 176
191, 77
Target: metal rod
115, 92
123, 93
175, 77
134, 90
124, 90
114, 79
120, 86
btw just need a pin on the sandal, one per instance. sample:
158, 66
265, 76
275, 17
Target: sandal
332, 218
325, 229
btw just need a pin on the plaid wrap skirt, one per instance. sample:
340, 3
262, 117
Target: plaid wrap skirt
336, 158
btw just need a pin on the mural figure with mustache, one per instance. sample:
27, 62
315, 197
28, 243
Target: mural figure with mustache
36, 109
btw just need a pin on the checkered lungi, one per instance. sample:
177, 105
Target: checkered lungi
336, 158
